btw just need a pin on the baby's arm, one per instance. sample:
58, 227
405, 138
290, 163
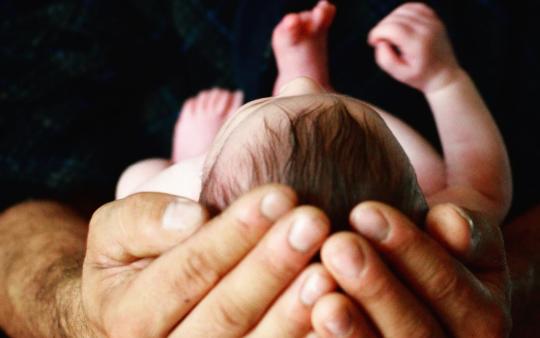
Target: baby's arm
411, 45
426, 161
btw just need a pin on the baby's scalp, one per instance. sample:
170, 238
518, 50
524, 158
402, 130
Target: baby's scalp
335, 151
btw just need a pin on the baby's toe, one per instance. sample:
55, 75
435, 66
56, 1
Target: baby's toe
221, 103
201, 102
290, 22
188, 107
288, 30
323, 15
237, 100
306, 18
232, 102
214, 97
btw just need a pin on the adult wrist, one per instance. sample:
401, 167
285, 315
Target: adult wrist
71, 317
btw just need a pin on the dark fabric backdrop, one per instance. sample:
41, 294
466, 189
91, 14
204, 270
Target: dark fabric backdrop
88, 87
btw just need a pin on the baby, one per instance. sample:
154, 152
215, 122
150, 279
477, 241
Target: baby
334, 150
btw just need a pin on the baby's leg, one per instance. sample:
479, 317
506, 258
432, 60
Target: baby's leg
200, 119
299, 42
139, 173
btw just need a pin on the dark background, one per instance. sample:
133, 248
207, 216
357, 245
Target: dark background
89, 87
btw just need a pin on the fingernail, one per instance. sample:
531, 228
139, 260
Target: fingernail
275, 204
305, 233
314, 287
472, 229
312, 335
370, 223
182, 215
348, 260
339, 325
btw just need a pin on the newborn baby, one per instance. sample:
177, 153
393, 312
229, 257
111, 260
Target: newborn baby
334, 150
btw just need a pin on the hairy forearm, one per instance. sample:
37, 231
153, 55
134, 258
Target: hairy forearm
41, 250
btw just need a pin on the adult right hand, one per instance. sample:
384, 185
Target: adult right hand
152, 269
401, 281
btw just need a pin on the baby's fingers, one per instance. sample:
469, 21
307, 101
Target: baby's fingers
388, 57
418, 9
395, 32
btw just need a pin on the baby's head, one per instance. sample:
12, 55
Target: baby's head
333, 150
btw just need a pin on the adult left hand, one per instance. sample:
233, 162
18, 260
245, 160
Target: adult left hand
451, 280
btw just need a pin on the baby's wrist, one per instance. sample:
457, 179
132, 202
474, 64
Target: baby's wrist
443, 79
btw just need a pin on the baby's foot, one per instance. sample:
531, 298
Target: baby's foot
299, 42
200, 120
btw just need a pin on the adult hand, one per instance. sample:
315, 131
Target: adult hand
152, 269
437, 294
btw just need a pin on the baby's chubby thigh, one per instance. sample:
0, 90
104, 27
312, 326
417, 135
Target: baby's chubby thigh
159, 175
138, 174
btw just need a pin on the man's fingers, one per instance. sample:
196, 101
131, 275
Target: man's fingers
240, 299
467, 235
176, 281
334, 315
363, 275
460, 299
144, 225
290, 315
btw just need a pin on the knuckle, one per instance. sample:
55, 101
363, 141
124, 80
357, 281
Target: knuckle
427, 34
229, 316
443, 284
277, 267
377, 286
238, 222
100, 214
408, 239
196, 269
399, 28
294, 322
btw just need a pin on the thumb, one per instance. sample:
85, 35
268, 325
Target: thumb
467, 234
142, 225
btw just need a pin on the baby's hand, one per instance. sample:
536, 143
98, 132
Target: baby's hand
411, 44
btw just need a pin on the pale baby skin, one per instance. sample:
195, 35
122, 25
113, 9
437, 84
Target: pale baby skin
337, 151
